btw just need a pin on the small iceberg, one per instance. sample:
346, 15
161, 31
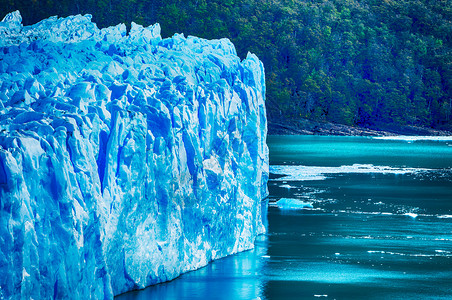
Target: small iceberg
412, 215
444, 217
287, 186
290, 203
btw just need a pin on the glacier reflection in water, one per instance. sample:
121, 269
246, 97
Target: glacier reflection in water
380, 226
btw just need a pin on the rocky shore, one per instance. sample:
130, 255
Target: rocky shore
308, 127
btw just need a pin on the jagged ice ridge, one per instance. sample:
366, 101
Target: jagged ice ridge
125, 159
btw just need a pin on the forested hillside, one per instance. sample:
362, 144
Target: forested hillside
354, 62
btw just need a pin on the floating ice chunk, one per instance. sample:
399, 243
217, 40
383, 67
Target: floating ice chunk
444, 217
290, 203
414, 138
287, 186
302, 173
412, 215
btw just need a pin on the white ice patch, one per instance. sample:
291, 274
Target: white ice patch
445, 217
287, 186
412, 215
414, 138
290, 203
438, 253
377, 213
304, 173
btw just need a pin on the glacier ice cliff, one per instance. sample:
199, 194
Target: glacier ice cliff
125, 159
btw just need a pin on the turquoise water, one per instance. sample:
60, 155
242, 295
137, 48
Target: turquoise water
380, 226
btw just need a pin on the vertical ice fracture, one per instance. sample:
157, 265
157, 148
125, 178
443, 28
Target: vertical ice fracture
125, 159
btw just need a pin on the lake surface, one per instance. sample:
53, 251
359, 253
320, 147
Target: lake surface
378, 226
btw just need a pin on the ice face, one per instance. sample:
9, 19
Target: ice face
125, 159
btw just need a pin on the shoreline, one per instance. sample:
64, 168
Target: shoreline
307, 127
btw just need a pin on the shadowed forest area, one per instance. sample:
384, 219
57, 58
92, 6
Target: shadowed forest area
370, 63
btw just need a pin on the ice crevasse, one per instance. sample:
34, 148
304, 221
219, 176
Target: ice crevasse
125, 159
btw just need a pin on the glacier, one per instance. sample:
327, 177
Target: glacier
126, 159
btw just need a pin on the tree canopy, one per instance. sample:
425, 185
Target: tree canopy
353, 62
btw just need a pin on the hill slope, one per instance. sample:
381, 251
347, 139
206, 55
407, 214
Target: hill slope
367, 63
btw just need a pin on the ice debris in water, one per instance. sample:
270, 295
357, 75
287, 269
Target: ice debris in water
125, 159
287, 186
411, 215
303, 173
290, 203
414, 138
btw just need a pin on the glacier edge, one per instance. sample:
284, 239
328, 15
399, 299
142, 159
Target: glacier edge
125, 159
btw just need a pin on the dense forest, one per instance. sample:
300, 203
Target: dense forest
363, 63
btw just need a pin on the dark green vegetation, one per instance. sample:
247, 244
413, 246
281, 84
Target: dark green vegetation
356, 62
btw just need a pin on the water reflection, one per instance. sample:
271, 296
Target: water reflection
311, 255
369, 236
234, 277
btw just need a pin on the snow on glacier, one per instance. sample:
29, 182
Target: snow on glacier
125, 159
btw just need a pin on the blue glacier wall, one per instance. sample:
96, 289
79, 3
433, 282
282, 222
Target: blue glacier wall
125, 159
